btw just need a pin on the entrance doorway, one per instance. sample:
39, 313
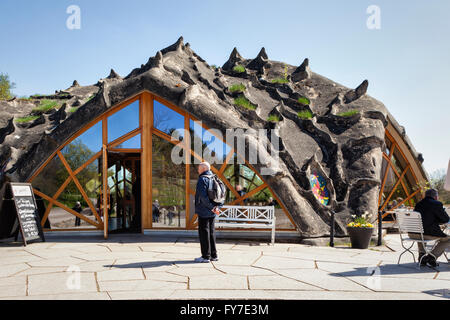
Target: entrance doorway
124, 192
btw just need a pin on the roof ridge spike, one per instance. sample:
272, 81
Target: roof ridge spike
113, 74
177, 46
262, 53
233, 59
357, 93
259, 62
302, 72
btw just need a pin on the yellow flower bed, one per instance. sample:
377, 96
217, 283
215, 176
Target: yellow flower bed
360, 225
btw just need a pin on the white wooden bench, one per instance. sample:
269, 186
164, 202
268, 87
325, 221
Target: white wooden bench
250, 217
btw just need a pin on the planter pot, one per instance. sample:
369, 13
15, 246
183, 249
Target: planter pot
360, 237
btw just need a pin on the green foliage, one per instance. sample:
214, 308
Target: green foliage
280, 80
26, 119
273, 118
243, 102
214, 67
304, 101
305, 114
72, 109
437, 182
237, 88
5, 87
348, 113
44, 106
90, 98
238, 69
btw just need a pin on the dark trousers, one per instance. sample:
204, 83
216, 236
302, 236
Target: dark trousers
207, 235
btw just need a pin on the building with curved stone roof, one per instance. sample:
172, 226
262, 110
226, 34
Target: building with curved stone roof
327, 148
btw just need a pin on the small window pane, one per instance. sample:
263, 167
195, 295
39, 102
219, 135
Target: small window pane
123, 121
132, 143
167, 120
84, 147
207, 145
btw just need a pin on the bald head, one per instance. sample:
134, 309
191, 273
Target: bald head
204, 166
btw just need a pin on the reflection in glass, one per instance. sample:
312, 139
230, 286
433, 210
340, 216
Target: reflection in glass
61, 219
168, 187
51, 177
84, 147
207, 145
132, 143
168, 120
123, 121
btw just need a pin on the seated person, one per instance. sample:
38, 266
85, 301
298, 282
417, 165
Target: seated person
433, 214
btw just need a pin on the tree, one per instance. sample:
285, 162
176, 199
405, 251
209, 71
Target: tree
6, 86
437, 182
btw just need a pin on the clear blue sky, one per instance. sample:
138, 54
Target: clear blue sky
407, 61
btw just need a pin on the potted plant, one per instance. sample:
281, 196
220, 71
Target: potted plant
360, 231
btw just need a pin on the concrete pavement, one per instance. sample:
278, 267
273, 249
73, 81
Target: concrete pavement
149, 267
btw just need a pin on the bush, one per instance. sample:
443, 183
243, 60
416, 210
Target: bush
280, 80
5, 87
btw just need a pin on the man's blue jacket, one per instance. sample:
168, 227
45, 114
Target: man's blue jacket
203, 205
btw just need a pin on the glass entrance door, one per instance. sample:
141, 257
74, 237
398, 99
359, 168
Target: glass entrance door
124, 192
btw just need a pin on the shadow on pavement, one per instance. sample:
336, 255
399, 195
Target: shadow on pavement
392, 269
150, 264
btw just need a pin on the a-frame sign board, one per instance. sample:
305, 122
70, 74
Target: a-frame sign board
25, 211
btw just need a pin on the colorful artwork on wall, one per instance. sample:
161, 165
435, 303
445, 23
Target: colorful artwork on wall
319, 188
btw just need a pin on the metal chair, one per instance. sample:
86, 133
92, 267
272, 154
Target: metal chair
411, 222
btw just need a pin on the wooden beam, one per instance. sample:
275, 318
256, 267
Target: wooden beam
395, 187
124, 138
146, 161
59, 204
105, 190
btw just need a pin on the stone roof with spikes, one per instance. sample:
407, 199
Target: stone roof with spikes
341, 137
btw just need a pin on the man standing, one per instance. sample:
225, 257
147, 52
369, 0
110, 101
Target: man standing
206, 211
433, 214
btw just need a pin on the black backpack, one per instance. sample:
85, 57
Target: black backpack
216, 190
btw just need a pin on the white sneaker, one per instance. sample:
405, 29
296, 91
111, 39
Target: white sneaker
201, 260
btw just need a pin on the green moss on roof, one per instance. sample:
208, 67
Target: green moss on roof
348, 113
238, 69
45, 105
244, 102
304, 101
237, 88
280, 80
305, 114
26, 119
273, 118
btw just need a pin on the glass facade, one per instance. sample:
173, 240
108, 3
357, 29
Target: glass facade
112, 148
399, 184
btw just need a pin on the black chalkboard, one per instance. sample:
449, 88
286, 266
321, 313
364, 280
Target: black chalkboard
26, 211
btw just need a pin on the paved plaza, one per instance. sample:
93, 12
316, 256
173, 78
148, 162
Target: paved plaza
150, 267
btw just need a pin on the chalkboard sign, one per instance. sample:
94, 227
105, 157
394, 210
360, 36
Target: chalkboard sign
26, 211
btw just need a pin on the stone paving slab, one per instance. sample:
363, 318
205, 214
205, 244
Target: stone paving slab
220, 281
139, 285
60, 283
277, 282
67, 296
323, 280
13, 291
122, 274
11, 269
